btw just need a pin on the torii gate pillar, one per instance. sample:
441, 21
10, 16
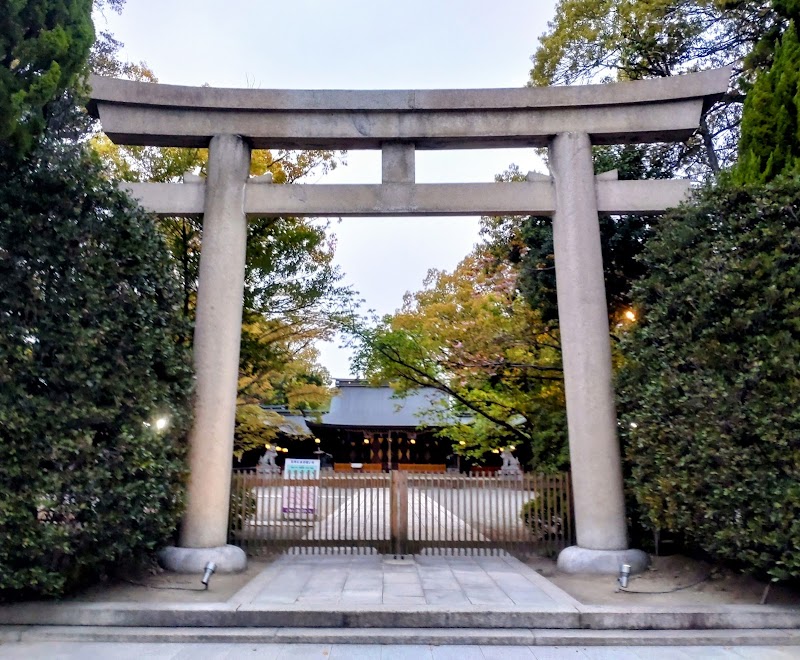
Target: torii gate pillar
217, 337
586, 349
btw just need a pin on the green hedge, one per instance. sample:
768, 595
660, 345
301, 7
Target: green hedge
88, 362
710, 386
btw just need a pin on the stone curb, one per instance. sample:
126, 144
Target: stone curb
732, 617
217, 616
222, 615
435, 636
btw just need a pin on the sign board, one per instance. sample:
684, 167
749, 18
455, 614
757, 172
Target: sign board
300, 502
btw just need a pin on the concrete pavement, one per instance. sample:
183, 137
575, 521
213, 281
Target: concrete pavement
390, 605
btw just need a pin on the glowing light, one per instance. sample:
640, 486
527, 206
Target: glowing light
268, 446
495, 451
161, 423
462, 443
630, 315
366, 441
512, 448
412, 441
634, 425
317, 440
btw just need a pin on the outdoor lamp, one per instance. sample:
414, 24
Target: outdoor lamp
211, 567
624, 574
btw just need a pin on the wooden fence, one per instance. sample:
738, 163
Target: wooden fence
400, 513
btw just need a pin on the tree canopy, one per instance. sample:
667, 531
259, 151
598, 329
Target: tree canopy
616, 40
770, 142
292, 295
43, 50
528, 241
471, 336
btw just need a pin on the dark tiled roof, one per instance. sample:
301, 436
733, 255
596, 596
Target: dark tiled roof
358, 404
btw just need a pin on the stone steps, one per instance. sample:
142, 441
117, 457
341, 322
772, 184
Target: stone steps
435, 636
238, 616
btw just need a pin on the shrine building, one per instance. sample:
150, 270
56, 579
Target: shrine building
371, 427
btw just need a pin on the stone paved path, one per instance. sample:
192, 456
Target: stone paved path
357, 580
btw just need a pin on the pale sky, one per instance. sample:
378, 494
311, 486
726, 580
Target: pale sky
355, 44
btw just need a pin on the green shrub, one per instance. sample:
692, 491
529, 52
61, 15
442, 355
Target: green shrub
536, 520
88, 362
710, 385
243, 507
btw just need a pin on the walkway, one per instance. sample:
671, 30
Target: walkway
364, 514
358, 580
381, 606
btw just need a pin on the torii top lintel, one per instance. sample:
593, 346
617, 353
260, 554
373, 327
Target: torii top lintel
657, 110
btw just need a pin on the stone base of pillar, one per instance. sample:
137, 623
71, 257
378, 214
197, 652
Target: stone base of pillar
228, 558
605, 562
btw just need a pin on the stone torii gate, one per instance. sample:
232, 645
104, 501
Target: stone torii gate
567, 120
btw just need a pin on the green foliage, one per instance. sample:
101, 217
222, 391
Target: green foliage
710, 383
634, 38
535, 513
788, 8
43, 47
292, 297
770, 142
528, 242
290, 275
255, 428
88, 363
471, 336
618, 40
243, 508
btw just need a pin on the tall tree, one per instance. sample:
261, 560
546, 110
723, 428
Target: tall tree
43, 49
614, 40
292, 285
770, 143
279, 364
292, 296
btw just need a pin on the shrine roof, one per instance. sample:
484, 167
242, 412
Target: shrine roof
358, 404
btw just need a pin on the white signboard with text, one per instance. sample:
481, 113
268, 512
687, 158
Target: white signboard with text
300, 502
